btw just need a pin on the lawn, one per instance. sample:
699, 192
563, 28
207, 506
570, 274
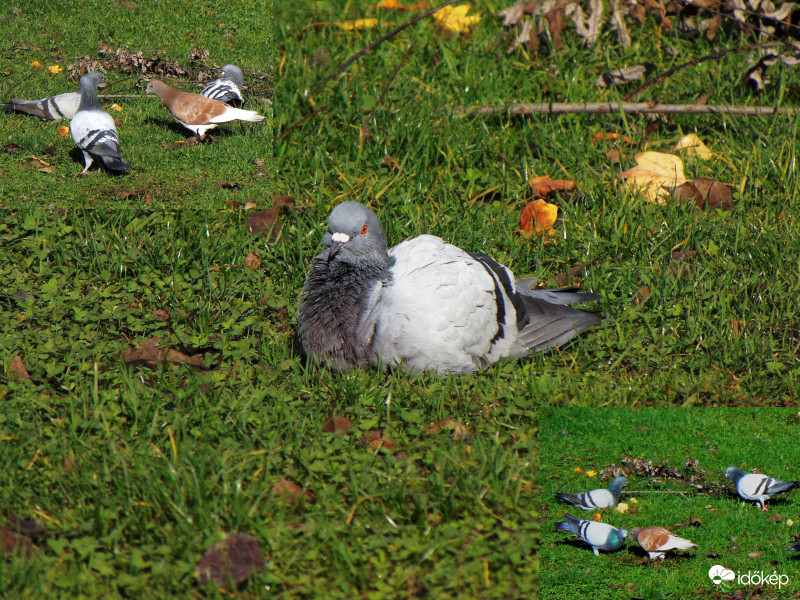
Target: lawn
51, 35
675, 462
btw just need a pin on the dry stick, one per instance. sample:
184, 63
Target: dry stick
389, 35
696, 61
300, 122
618, 107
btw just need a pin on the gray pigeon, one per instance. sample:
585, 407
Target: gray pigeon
603, 498
424, 304
600, 536
228, 88
93, 128
753, 486
795, 547
62, 106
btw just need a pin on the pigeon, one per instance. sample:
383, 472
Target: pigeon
603, 498
424, 304
62, 106
794, 547
657, 541
198, 113
600, 536
753, 486
93, 128
228, 88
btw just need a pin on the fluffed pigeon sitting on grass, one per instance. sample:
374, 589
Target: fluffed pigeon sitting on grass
198, 113
423, 305
600, 536
62, 106
228, 88
657, 541
753, 486
602, 498
93, 128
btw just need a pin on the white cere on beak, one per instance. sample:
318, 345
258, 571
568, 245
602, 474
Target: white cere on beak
340, 237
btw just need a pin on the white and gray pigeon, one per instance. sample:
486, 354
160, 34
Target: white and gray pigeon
600, 536
62, 106
754, 486
228, 88
602, 498
93, 128
424, 304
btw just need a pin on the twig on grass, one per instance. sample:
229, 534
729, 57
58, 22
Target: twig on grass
553, 108
376, 43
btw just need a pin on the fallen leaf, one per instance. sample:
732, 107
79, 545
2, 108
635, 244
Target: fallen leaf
116, 107
694, 146
738, 326
49, 150
161, 315
642, 295
753, 554
264, 222
614, 156
14, 543
290, 491
36, 64
11, 148
376, 439
713, 194
622, 75
251, 261
596, 517
599, 137
16, 368
538, 218
655, 175
454, 19
229, 185
54, 69
149, 354
622, 507
63, 131
357, 25
258, 162
562, 279
46, 170
543, 185
337, 425
231, 561
250, 204
591, 473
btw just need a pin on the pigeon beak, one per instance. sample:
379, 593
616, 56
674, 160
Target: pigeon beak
337, 240
334, 250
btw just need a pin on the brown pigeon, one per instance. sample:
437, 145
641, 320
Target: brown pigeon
657, 541
198, 113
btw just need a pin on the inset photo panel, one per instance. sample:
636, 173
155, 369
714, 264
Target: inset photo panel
669, 503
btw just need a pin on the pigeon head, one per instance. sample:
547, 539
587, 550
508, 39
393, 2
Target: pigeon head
355, 236
158, 88
634, 533
619, 482
234, 74
734, 474
92, 80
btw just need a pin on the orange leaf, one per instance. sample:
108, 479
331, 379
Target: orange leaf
544, 185
538, 218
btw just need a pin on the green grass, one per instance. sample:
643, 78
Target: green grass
185, 178
733, 533
132, 513
466, 180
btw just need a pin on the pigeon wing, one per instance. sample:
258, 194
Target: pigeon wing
62, 106
94, 132
223, 90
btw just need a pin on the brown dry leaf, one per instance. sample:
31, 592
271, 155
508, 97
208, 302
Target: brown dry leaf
337, 425
149, 354
607, 137
38, 162
14, 543
562, 279
265, 222
642, 295
655, 175
738, 326
703, 100
161, 315
250, 204
543, 185
694, 146
376, 439
614, 156
46, 170
458, 430
229, 185
622, 75
16, 368
753, 554
538, 218
63, 131
713, 194
49, 150
11, 148
231, 561
290, 491
251, 261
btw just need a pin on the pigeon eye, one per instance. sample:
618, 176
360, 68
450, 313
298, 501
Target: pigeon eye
363, 230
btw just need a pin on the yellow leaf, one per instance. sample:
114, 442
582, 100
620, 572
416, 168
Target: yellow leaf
36, 64
54, 70
655, 175
789, 522
116, 107
578, 470
454, 18
634, 501
694, 145
591, 473
390, 4
596, 517
63, 131
621, 508
357, 25
538, 218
